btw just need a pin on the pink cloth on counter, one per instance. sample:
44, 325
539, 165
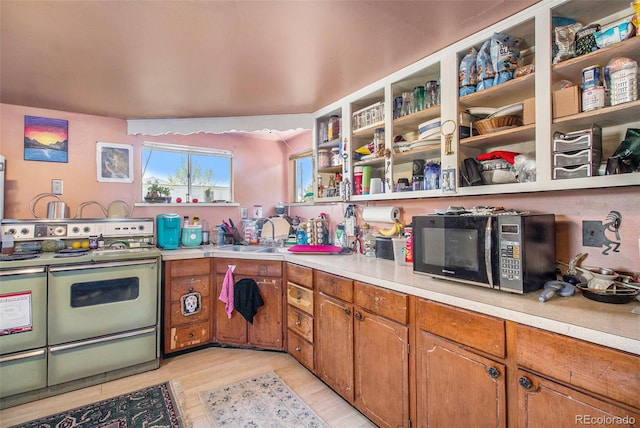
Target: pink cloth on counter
226, 294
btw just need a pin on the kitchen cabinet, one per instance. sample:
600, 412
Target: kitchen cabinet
565, 382
300, 313
328, 150
534, 26
188, 306
267, 329
460, 362
362, 347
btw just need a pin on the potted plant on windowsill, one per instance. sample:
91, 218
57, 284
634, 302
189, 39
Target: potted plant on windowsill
157, 193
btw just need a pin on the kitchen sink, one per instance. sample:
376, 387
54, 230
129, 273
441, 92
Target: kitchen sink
247, 249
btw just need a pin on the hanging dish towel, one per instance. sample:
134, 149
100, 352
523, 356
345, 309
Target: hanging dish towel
226, 294
247, 299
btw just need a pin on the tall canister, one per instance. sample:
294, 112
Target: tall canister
168, 231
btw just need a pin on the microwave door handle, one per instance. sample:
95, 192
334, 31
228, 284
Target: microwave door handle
487, 250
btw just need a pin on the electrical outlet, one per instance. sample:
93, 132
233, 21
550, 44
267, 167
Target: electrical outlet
244, 213
56, 187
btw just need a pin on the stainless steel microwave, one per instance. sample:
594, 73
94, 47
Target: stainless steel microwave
510, 252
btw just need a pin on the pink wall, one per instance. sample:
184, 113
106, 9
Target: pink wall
260, 172
570, 208
259, 166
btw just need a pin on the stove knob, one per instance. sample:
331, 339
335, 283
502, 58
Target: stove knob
75, 229
24, 231
141, 227
86, 229
10, 231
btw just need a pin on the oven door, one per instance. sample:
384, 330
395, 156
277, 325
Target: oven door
455, 247
91, 300
23, 309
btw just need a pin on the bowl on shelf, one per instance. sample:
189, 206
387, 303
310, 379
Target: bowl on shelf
495, 124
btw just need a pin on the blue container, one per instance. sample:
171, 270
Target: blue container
168, 231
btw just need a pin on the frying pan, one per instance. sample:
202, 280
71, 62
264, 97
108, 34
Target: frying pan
617, 294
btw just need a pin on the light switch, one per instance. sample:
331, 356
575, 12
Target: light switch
56, 187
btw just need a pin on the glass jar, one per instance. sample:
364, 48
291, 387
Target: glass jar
368, 241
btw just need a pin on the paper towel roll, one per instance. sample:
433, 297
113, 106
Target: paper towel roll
381, 214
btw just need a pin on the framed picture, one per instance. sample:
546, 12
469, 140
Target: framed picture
448, 180
45, 139
115, 162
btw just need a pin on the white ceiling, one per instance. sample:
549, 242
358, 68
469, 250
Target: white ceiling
215, 58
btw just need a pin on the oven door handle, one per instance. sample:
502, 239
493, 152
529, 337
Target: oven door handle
22, 271
54, 349
102, 265
22, 356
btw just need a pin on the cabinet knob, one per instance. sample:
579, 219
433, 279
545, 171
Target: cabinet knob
299, 297
190, 289
298, 322
190, 335
493, 372
347, 312
358, 316
525, 382
298, 349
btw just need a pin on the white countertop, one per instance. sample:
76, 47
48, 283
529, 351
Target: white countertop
612, 325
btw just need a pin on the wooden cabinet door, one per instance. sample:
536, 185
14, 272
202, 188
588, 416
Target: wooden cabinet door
381, 368
334, 344
458, 388
544, 403
267, 330
228, 330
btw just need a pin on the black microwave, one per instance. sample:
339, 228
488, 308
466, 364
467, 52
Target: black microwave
510, 252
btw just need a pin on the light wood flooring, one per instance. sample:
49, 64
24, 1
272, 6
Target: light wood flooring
204, 370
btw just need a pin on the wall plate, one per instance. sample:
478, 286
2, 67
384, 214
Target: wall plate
56, 186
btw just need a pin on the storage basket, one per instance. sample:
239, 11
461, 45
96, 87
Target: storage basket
494, 124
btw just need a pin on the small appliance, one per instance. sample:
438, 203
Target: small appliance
191, 235
508, 251
168, 231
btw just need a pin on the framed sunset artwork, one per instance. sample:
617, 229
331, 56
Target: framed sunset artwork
45, 139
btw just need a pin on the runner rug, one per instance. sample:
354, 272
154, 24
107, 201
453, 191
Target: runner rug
261, 401
154, 406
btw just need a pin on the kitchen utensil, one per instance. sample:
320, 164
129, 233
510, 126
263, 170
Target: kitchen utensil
599, 278
118, 209
560, 288
55, 209
615, 293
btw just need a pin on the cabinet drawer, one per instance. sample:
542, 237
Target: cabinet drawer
191, 267
188, 336
387, 303
335, 286
605, 371
301, 298
478, 331
300, 349
182, 286
300, 275
177, 317
250, 268
300, 322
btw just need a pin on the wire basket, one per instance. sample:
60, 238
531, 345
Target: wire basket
495, 124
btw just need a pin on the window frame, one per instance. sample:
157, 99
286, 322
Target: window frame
189, 151
293, 175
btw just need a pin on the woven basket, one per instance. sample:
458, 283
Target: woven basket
494, 124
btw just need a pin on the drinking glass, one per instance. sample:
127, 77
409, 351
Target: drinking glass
407, 101
418, 98
432, 95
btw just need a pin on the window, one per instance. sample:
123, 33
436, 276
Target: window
188, 173
301, 176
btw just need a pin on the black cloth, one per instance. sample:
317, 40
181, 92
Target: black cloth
246, 298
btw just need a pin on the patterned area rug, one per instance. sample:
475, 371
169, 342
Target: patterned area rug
155, 406
262, 401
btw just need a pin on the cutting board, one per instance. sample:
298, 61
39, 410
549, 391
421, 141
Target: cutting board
315, 249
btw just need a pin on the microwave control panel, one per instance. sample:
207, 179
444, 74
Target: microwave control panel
509, 234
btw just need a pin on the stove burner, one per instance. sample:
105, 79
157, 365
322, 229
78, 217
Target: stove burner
17, 256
